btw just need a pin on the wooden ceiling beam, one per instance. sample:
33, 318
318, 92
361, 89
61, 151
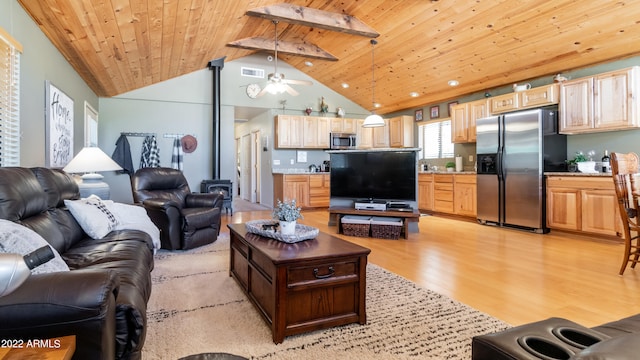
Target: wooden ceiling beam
315, 18
300, 49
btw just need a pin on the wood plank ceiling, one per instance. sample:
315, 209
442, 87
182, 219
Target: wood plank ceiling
122, 45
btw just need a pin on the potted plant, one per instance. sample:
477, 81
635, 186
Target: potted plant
582, 162
287, 213
450, 166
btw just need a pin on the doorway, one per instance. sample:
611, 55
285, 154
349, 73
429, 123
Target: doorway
249, 167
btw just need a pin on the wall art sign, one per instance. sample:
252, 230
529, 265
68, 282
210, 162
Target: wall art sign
59, 126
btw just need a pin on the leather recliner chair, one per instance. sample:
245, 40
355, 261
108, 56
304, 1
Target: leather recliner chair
186, 220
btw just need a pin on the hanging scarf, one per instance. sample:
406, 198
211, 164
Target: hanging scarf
150, 153
176, 156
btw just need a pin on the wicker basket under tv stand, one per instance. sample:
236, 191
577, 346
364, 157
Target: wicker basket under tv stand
336, 213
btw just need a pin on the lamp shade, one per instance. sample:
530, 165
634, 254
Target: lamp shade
373, 120
91, 159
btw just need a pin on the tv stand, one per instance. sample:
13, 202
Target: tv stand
407, 216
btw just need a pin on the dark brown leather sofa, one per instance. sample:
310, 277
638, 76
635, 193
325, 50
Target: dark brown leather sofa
102, 300
557, 338
186, 220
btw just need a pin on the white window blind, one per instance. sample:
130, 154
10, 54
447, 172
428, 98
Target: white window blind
9, 100
435, 140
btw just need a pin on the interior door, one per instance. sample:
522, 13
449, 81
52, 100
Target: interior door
245, 168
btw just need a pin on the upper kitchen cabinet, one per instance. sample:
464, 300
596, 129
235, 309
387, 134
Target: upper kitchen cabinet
343, 125
463, 120
401, 131
535, 97
376, 137
315, 132
289, 131
603, 102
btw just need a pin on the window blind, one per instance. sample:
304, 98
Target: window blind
9, 101
435, 140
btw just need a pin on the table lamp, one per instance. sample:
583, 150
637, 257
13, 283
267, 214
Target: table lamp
90, 161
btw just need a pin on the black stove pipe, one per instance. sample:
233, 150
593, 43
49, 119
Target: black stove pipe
216, 65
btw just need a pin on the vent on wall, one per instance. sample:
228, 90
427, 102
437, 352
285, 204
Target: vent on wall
251, 72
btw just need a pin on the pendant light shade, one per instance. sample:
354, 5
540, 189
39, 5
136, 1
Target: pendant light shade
373, 120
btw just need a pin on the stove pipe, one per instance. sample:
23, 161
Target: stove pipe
216, 65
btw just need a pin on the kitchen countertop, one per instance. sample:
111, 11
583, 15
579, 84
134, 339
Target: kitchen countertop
294, 172
559, 173
447, 172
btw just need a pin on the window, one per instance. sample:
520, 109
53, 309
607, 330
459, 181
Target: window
434, 140
9, 100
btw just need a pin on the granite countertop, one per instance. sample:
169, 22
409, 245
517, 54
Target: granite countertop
560, 173
447, 172
299, 172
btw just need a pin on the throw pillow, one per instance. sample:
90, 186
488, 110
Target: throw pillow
18, 239
135, 217
93, 216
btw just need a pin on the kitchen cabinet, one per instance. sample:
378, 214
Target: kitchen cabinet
401, 130
310, 190
376, 137
319, 190
288, 131
443, 193
520, 100
289, 187
381, 135
464, 195
583, 203
315, 132
425, 192
463, 120
603, 102
344, 125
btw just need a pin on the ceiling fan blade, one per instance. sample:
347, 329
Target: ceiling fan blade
297, 82
290, 90
262, 92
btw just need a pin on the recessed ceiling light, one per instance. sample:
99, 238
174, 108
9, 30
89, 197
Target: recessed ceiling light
414, 94
376, 105
453, 83
345, 85
308, 63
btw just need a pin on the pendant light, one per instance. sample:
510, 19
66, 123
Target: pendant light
373, 120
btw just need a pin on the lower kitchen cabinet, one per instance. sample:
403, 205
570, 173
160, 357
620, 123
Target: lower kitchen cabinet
583, 203
425, 192
443, 193
448, 193
309, 190
319, 190
464, 195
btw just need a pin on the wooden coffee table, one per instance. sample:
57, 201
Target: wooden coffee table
301, 287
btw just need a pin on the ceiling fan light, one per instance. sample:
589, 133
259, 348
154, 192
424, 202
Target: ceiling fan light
373, 120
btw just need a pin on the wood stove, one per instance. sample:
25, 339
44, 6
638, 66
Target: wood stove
223, 187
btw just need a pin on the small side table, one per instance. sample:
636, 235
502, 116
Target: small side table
61, 348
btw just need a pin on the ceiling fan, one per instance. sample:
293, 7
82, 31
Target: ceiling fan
276, 83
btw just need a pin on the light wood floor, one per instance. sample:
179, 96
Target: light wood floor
516, 276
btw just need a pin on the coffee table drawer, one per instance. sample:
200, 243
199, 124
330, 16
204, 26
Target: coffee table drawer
321, 274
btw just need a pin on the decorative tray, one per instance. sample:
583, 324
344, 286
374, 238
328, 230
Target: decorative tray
303, 232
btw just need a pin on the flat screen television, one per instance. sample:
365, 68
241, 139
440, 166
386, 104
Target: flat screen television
378, 175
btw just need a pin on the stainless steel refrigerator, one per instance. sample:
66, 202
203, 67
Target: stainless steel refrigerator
513, 152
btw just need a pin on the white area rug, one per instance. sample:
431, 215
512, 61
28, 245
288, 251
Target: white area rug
195, 307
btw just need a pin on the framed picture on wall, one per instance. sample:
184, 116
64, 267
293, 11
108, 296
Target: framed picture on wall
435, 112
419, 115
90, 125
59, 127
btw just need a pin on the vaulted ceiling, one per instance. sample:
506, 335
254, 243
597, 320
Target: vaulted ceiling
122, 45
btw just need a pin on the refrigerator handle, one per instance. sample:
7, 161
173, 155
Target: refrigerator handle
499, 164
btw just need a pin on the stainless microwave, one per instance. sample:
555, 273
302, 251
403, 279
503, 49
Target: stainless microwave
343, 141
